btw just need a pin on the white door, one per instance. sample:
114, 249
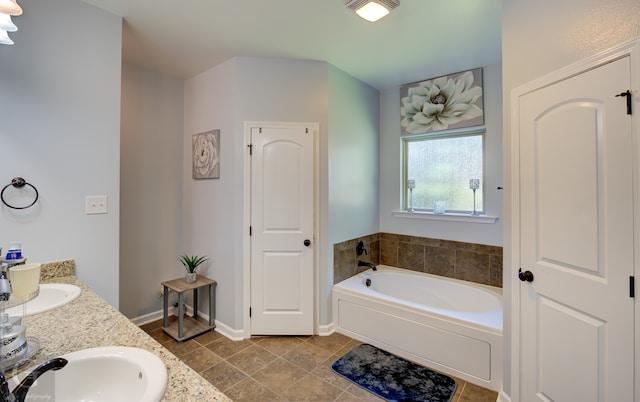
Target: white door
577, 317
282, 246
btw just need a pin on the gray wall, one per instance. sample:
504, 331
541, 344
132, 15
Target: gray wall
212, 209
253, 89
150, 187
60, 103
353, 175
539, 37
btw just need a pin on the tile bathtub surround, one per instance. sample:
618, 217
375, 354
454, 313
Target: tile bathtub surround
345, 260
467, 261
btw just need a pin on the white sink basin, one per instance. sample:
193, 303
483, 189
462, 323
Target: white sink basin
51, 295
111, 373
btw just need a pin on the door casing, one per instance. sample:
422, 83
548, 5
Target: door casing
246, 243
512, 198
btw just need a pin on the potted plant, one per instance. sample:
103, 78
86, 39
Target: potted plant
191, 263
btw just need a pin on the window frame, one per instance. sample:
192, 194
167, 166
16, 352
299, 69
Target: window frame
405, 140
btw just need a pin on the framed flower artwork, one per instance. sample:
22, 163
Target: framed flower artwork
447, 102
205, 155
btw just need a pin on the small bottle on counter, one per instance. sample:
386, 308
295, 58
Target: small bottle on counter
15, 251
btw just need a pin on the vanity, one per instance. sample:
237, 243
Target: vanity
89, 322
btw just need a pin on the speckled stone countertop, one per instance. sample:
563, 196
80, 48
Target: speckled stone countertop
89, 321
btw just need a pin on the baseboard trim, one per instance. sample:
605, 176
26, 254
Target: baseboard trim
223, 329
147, 318
326, 330
502, 397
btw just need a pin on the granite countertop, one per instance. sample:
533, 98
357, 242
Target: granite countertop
89, 321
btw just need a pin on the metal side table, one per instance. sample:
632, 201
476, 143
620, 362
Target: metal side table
187, 327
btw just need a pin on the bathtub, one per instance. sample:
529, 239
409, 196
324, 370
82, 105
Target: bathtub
449, 325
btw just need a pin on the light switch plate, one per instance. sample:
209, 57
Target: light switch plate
96, 204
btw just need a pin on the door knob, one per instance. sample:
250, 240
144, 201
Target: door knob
307, 242
526, 276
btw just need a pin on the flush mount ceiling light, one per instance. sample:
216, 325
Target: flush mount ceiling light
7, 9
6, 24
10, 7
4, 38
372, 10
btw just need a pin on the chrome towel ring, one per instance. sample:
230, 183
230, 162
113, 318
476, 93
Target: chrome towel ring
18, 182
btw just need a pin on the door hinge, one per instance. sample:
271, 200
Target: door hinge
250, 230
306, 131
249, 312
260, 130
632, 286
250, 146
627, 94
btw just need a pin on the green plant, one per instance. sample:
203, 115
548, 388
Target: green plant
191, 262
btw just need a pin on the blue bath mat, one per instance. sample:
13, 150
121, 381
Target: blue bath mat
393, 378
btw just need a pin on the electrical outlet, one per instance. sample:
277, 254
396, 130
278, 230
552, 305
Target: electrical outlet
96, 204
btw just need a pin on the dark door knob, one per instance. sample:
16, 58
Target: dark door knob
526, 276
307, 242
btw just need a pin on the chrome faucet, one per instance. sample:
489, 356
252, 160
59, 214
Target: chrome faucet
19, 394
367, 264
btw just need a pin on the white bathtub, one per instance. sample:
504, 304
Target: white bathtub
446, 324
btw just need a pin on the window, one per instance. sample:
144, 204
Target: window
441, 166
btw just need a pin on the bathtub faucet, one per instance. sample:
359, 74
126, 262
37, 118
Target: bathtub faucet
367, 264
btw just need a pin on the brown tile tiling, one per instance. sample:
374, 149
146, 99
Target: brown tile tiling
312, 388
307, 356
279, 345
495, 270
250, 390
439, 261
411, 256
223, 375
201, 359
252, 359
279, 375
474, 262
282, 368
389, 252
472, 266
225, 347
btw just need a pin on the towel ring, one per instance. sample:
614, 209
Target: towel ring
18, 182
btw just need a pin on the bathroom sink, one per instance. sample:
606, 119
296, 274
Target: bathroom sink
110, 373
51, 295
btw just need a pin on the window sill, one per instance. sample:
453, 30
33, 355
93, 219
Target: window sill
447, 216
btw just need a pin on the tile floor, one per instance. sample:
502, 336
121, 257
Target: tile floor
281, 368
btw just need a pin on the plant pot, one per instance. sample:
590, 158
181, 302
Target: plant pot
191, 277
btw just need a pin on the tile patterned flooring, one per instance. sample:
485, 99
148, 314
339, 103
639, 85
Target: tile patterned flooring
283, 368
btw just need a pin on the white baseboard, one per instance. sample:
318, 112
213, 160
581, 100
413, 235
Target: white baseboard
326, 330
233, 334
502, 397
223, 329
147, 318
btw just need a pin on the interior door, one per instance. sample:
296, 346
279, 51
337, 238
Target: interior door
577, 316
282, 247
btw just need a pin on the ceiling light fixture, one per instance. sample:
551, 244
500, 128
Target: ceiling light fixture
4, 38
10, 7
372, 10
7, 9
6, 24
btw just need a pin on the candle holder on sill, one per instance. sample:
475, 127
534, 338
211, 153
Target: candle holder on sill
474, 184
411, 184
